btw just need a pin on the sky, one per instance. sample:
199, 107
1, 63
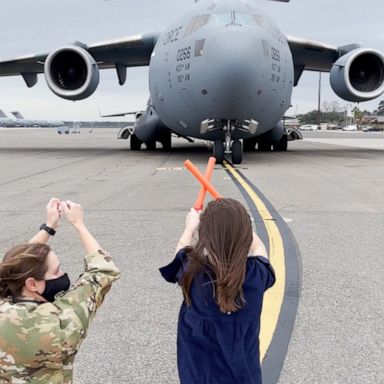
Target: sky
40, 26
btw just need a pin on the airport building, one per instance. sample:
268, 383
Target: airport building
374, 121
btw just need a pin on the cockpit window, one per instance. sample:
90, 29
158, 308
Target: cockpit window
203, 20
189, 30
226, 18
196, 23
236, 18
248, 19
221, 18
200, 21
245, 19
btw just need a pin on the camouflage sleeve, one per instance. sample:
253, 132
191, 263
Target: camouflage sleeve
79, 305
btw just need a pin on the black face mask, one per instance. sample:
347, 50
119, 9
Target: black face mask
54, 286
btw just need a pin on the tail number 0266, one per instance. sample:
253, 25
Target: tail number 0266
184, 54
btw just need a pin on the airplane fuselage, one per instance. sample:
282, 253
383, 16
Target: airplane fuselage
5, 122
223, 61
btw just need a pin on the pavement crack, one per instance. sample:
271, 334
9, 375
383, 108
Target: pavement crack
37, 173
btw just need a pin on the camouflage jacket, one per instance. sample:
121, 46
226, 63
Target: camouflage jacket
38, 342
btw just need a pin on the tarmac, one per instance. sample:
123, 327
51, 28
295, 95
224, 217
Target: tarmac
328, 188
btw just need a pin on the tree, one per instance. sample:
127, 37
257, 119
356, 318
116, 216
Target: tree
357, 115
335, 106
326, 117
325, 107
332, 106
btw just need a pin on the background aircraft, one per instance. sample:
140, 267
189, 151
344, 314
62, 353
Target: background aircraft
223, 72
5, 121
36, 123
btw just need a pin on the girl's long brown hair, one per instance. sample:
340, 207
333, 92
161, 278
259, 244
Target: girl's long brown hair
20, 263
224, 240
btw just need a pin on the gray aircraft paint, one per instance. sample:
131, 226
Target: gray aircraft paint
190, 81
5, 121
20, 121
36, 123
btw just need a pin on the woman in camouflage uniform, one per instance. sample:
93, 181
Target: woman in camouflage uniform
42, 320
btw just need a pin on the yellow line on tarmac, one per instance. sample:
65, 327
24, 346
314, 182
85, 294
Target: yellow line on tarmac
273, 298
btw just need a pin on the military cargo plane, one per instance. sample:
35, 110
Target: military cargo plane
222, 72
36, 123
5, 121
20, 121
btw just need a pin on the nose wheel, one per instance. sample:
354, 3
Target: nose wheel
218, 151
232, 147
237, 152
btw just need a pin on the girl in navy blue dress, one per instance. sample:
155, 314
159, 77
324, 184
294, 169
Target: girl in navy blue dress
223, 277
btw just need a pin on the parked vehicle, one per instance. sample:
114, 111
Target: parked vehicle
308, 127
351, 127
334, 127
372, 128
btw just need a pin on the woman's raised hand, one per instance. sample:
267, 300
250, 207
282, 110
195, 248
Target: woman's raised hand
54, 212
73, 212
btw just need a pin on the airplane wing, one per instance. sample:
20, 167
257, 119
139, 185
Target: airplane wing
309, 55
131, 51
119, 114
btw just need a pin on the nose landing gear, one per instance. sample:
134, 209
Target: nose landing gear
230, 146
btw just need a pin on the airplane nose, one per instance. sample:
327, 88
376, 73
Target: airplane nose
234, 67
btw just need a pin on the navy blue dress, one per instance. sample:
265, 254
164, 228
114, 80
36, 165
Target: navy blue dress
214, 347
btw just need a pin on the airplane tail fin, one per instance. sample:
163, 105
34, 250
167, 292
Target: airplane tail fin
2, 114
18, 115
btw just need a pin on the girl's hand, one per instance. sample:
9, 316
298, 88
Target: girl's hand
73, 212
192, 220
258, 247
53, 213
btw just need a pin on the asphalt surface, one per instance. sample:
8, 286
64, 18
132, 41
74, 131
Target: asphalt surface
329, 188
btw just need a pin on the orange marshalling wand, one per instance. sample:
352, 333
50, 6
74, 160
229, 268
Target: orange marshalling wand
203, 180
199, 203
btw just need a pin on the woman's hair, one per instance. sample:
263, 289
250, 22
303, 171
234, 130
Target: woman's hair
225, 237
20, 263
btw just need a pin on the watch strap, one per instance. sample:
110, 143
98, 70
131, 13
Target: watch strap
47, 229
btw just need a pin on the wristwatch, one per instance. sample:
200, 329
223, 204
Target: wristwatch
49, 230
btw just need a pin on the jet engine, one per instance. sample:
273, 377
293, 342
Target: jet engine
358, 75
71, 73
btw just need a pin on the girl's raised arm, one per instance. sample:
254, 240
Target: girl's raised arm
191, 223
258, 247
